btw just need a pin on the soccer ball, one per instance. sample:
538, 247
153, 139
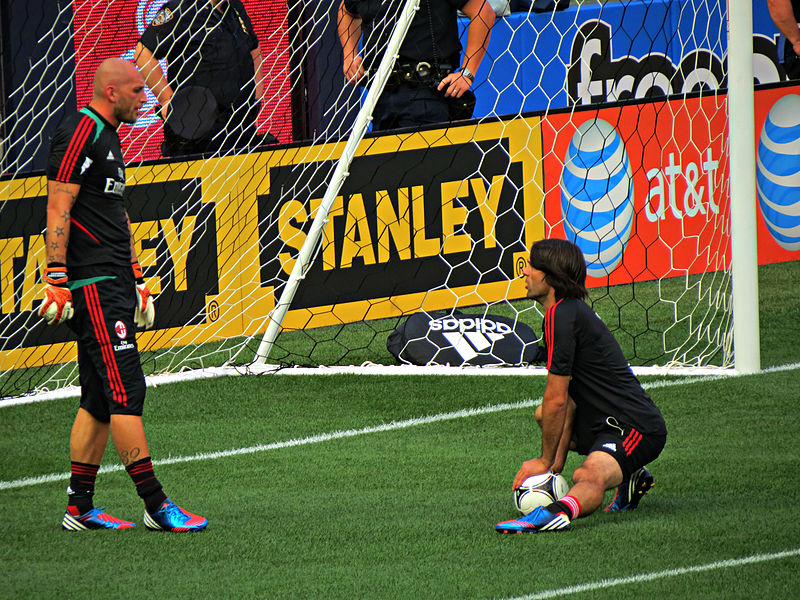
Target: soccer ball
539, 490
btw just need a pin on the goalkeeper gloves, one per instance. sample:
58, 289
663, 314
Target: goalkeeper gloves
145, 309
57, 303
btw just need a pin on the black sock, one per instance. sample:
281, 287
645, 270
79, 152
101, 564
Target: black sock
568, 505
147, 485
81, 486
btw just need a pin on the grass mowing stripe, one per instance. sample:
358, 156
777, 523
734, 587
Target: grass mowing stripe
607, 583
325, 437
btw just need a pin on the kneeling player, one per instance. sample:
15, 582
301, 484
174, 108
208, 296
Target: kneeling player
592, 401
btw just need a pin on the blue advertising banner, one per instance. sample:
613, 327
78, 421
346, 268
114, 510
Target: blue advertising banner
595, 53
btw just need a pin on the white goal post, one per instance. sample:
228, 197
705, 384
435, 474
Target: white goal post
606, 123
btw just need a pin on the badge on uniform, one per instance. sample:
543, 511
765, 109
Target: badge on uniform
162, 16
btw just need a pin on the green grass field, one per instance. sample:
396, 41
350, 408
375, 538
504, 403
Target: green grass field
375, 487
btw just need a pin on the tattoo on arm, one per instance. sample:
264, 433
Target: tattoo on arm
69, 192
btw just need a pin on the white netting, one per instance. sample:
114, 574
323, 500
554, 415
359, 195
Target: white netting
604, 123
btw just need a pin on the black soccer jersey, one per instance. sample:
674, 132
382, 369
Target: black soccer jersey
602, 384
205, 47
432, 35
85, 150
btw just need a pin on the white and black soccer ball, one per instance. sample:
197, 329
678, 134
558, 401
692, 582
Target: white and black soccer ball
540, 490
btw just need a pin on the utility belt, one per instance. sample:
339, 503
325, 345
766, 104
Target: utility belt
412, 74
424, 73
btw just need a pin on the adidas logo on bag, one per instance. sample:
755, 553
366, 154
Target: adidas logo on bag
470, 336
611, 446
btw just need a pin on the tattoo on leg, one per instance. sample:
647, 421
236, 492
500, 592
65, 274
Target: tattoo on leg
129, 456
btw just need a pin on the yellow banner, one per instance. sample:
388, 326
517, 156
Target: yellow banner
429, 220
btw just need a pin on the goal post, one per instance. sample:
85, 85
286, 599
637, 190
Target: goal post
744, 244
310, 246
606, 123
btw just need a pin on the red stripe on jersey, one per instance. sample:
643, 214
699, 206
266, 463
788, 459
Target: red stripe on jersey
549, 331
101, 333
74, 148
84, 230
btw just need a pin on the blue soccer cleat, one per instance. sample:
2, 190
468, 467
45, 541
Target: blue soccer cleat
171, 517
96, 518
630, 492
539, 519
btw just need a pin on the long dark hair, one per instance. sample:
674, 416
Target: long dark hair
564, 267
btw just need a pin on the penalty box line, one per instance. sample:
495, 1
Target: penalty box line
326, 437
677, 572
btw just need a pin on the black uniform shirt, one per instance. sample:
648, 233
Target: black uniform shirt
206, 47
432, 35
602, 384
85, 150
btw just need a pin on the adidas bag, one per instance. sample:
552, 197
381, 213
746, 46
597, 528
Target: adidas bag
456, 339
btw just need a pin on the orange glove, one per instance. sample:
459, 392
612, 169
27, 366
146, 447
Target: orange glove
145, 309
57, 303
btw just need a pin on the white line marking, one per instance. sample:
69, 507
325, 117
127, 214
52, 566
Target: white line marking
395, 370
314, 439
607, 583
336, 435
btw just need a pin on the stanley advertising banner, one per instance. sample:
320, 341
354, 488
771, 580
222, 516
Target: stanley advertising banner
412, 226
429, 220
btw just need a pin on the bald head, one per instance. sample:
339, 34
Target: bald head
118, 91
113, 71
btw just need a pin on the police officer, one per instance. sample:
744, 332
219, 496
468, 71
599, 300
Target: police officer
213, 58
429, 77
786, 15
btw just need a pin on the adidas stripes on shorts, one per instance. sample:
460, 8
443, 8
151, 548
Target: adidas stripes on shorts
109, 368
631, 448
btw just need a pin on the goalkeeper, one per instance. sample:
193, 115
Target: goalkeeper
95, 285
592, 401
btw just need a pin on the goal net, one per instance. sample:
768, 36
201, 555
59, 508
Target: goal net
605, 124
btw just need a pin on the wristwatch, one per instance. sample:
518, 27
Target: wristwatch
467, 74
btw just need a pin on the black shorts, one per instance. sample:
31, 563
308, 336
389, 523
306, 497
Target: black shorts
631, 448
109, 369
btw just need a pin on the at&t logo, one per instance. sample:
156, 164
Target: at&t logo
778, 172
597, 196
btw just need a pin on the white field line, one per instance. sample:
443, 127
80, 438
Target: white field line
314, 439
608, 583
213, 372
325, 437
153, 381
